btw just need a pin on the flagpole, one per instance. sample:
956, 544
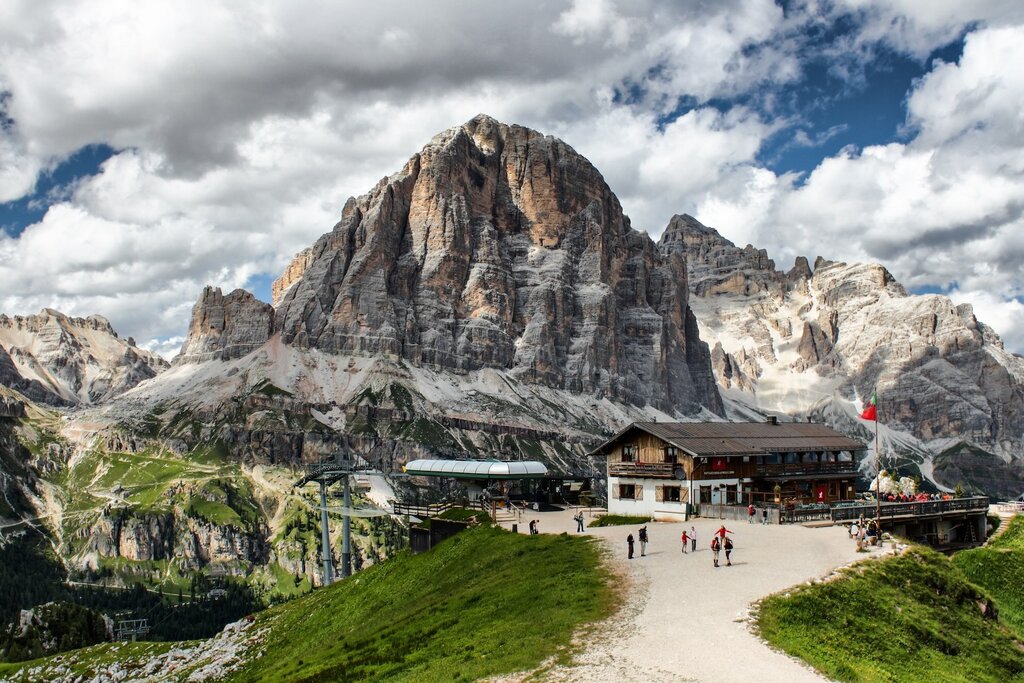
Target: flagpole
878, 481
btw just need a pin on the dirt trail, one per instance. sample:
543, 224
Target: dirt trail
687, 620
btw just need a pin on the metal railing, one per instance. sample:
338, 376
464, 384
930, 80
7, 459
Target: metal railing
916, 509
433, 509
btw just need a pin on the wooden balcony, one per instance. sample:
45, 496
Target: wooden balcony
794, 469
661, 470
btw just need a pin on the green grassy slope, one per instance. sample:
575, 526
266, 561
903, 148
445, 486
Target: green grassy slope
915, 617
483, 603
999, 569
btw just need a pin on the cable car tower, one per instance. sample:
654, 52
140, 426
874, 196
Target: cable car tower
325, 474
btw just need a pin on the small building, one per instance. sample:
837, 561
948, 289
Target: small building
656, 468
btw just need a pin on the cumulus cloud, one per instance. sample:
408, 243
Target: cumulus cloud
240, 131
945, 207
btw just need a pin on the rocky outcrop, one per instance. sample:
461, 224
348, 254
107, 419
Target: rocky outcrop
292, 274
226, 327
840, 332
498, 247
191, 541
60, 360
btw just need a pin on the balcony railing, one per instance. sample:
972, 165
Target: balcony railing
798, 468
917, 509
641, 469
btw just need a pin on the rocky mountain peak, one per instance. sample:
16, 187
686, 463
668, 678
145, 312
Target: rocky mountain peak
497, 246
63, 360
818, 341
226, 326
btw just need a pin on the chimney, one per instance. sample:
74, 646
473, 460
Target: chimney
772, 420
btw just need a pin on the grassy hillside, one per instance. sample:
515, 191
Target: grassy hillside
483, 603
915, 617
999, 569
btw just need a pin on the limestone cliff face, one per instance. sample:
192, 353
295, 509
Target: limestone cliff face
498, 247
53, 358
788, 342
292, 274
226, 327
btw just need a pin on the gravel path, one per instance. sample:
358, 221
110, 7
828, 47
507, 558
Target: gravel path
686, 620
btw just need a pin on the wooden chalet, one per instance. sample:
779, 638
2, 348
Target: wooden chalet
658, 467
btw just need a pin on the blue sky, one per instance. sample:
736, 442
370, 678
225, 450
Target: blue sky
148, 153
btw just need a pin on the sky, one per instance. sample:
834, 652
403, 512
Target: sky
150, 148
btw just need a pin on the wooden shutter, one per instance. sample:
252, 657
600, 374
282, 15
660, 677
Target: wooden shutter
684, 495
616, 490
659, 494
639, 492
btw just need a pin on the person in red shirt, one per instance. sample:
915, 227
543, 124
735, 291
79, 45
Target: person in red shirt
722, 531
750, 514
685, 539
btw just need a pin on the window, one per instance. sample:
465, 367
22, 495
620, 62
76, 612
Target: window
730, 494
627, 491
705, 494
672, 494
628, 453
671, 454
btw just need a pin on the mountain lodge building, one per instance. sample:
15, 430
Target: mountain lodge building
656, 468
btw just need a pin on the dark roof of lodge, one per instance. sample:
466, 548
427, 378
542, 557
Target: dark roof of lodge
741, 438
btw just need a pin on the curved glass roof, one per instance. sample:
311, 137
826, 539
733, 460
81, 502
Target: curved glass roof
476, 469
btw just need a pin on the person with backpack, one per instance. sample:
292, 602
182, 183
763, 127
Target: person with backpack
629, 542
715, 547
728, 552
750, 513
579, 522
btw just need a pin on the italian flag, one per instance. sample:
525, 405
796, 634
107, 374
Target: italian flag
871, 409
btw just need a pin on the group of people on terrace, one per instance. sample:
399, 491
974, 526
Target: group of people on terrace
914, 497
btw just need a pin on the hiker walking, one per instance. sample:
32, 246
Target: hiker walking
579, 521
750, 513
728, 552
715, 547
643, 541
764, 516
693, 539
684, 538
629, 542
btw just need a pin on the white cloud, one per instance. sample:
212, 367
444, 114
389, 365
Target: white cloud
1005, 316
242, 129
18, 170
595, 20
943, 208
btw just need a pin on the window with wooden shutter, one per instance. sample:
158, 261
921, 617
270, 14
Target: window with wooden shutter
627, 491
670, 494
